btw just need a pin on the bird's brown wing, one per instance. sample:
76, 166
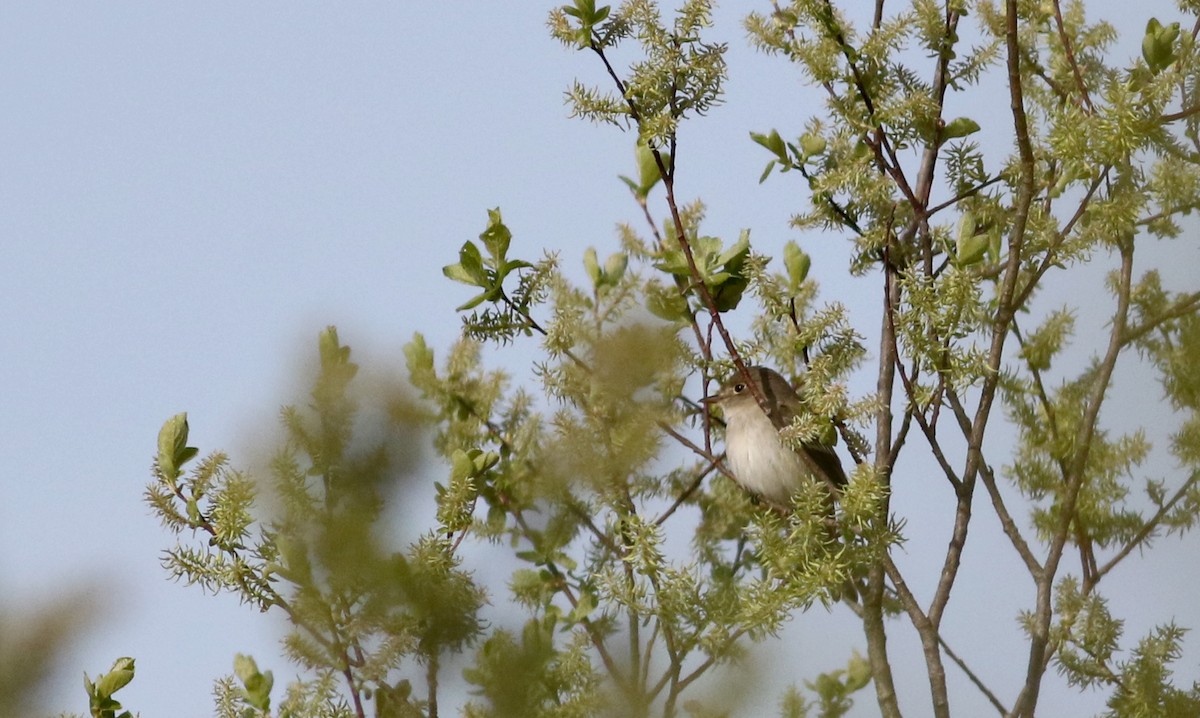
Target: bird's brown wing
787, 405
780, 395
824, 457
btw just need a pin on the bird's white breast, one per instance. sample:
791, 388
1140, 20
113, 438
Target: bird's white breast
758, 457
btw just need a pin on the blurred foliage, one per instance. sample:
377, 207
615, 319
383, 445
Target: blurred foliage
33, 642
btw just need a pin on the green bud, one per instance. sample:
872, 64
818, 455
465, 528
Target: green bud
614, 268
971, 250
969, 246
812, 144
966, 226
244, 667
797, 263
592, 265
173, 451
1158, 44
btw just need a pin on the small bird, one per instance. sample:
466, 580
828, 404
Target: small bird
758, 457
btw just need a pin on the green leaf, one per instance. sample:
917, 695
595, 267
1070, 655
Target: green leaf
738, 252
666, 303
514, 264
674, 262
966, 227
584, 607
797, 263
773, 142
484, 461
959, 127
766, 172
458, 274
258, 691
173, 451
1158, 44
730, 284
461, 465
994, 241
496, 238
185, 455
971, 249
471, 262
648, 173
592, 265
614, 267
117, 678
256, 686
418, 356
244, 667
474, 301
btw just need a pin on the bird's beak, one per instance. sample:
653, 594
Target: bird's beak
712, 400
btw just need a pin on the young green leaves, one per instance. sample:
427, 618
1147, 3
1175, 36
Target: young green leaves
719, 268
788, 156
256, 686
487, 273
608, 275
797, 263
173, 451
100, 700
969, 246
587, 17
648, 172
1158, 45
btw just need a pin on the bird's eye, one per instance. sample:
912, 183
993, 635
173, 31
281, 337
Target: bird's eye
739, 388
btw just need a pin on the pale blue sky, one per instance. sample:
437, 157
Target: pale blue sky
189, 192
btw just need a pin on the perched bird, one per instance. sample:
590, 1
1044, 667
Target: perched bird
757, 456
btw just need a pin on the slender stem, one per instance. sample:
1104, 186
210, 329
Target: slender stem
973, 677
1147, 529
1006, 308
431, 682
926, 428
1076, 477
872, 597
1069, 51
929, 635
1179, 308
354, 692
1007, 523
